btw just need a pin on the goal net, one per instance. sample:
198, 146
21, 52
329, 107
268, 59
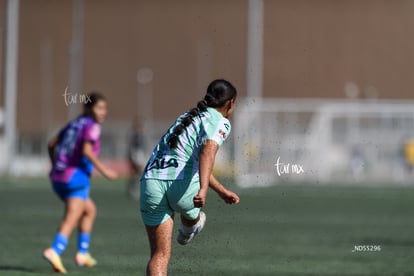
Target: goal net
321, 141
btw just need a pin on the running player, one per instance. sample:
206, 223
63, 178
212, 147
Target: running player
179, 172
74, 153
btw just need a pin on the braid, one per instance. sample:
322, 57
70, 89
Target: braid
219, 92
185, 122
211, 100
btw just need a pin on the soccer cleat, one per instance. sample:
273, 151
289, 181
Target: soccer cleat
184, 239
54, 259
85, 259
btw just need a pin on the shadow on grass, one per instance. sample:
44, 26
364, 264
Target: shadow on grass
15, 268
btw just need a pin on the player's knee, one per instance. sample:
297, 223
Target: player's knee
91, 208
73, 212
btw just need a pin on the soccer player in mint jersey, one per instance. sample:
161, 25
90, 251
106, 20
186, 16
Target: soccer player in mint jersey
74, 154
179, 173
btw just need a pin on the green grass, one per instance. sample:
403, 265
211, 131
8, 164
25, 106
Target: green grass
281, 230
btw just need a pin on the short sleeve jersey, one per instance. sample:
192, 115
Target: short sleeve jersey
68, 152
183, 161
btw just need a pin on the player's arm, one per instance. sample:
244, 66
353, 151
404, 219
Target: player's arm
51, 148
228, 196
206, 164
88, 153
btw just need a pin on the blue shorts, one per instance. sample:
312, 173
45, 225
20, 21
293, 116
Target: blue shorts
78, 186
161, 198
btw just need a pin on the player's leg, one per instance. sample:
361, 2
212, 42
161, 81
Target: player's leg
132, 178
88, 217
193, 220
160, 244
83, 258
133, 182
74, 208
75, 193
190, 227
158, 219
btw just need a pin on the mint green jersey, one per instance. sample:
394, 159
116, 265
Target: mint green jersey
183, 161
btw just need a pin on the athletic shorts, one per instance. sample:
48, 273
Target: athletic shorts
78, 186
161, 198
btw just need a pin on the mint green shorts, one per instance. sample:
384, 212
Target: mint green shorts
161, 198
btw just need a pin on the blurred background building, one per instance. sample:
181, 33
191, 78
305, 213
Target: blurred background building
154, 60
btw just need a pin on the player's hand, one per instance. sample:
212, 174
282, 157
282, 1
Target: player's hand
111, 174
200, 199
229, 197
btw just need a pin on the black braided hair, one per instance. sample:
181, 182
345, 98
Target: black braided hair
218, 93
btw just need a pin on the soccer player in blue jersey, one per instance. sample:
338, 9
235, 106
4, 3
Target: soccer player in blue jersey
74, 154
179, 173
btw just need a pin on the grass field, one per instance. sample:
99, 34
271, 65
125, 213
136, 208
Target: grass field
281, 230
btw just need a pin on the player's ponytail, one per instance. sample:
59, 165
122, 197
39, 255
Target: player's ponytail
218, 93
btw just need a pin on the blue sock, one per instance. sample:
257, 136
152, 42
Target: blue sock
59, 243
83, 242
